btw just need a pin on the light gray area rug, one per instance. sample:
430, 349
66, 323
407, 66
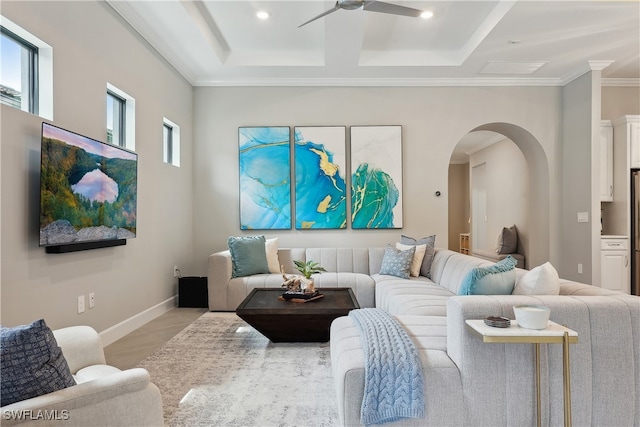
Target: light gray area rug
221, 372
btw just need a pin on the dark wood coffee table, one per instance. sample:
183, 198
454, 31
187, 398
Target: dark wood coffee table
286, 321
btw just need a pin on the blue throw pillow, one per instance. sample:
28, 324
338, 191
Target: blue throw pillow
497, 279
31, 363
396, 262
248, 255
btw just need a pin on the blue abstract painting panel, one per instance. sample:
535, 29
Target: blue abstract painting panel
376, 177
265, 178
320, 186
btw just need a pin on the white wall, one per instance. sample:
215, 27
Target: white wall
434, 119
93, 46
507, 179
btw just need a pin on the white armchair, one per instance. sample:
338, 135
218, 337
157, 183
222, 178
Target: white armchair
103, 396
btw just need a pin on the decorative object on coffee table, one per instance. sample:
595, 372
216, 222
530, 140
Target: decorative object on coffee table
298, 284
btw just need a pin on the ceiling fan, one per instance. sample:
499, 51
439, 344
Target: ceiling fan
369, 5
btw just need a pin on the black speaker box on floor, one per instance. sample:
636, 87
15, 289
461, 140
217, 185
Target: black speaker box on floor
193, 292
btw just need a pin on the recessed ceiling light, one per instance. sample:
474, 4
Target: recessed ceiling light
262, 14
426, 14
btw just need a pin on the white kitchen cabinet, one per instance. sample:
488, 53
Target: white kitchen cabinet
614, 265
606, 161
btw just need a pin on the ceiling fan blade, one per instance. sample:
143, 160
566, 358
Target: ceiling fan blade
336, 7
382, 7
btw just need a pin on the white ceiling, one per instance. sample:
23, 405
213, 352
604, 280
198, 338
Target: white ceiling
215, 42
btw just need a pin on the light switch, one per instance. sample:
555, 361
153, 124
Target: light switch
583, 216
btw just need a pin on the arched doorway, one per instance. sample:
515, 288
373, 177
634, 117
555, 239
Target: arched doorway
536, 240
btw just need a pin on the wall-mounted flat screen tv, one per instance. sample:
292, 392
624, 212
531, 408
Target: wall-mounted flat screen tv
88, 191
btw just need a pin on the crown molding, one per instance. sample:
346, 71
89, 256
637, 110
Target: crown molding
357, 82
621, 82
149, 36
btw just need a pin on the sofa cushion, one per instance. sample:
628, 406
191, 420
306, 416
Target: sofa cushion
542, 280
271, 249
397, 262
498, 279
248, 255
425, 269
31, 363
418, 256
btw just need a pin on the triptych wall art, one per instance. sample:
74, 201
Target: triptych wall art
319, 177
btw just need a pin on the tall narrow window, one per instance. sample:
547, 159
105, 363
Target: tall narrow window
116, 119
26, 74
19, 72
121, 118
167, 137
170, 142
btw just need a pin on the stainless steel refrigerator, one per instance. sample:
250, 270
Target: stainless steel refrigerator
635, 232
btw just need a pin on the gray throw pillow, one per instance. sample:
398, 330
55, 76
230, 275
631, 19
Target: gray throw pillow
397, 262
248, 255
425, 269
31, 363
508, 241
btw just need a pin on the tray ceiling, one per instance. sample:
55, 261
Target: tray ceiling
464, 43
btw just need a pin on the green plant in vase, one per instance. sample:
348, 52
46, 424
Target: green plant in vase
305, 285
308, 268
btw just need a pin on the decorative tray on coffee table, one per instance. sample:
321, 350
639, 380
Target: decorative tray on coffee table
300, 296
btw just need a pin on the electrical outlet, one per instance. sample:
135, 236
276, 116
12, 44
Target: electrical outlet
176, 271
579, 268
80, 304
92, 300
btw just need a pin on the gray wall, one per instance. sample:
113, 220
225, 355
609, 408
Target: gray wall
620, 101
580, 178
507, 181
459, 203
434, 119
93, 46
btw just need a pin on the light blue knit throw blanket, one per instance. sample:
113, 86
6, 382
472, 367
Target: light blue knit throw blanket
393, 384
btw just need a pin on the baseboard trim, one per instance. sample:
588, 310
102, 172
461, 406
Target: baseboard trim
114, 333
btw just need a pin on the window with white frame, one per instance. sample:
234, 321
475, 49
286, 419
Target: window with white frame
170, 142
121, 118
26, 74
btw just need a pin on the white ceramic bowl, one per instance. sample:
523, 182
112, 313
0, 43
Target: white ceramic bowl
532, 316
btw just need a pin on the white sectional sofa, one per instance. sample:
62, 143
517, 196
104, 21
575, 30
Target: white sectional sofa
468, 382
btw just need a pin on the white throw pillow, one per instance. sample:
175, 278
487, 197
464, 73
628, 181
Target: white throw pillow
271, 248
418, 256
542, 280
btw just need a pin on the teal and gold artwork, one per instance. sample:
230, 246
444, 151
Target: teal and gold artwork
265, 178
376, 177
320, 185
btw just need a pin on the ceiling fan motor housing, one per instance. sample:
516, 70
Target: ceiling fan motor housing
350, 4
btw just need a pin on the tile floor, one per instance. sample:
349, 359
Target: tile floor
129, 350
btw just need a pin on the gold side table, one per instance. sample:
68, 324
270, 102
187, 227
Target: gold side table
552, 334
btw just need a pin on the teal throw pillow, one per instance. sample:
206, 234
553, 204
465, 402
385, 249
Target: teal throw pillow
497, 279
396, 262
248, 255
425, 268
31, 362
